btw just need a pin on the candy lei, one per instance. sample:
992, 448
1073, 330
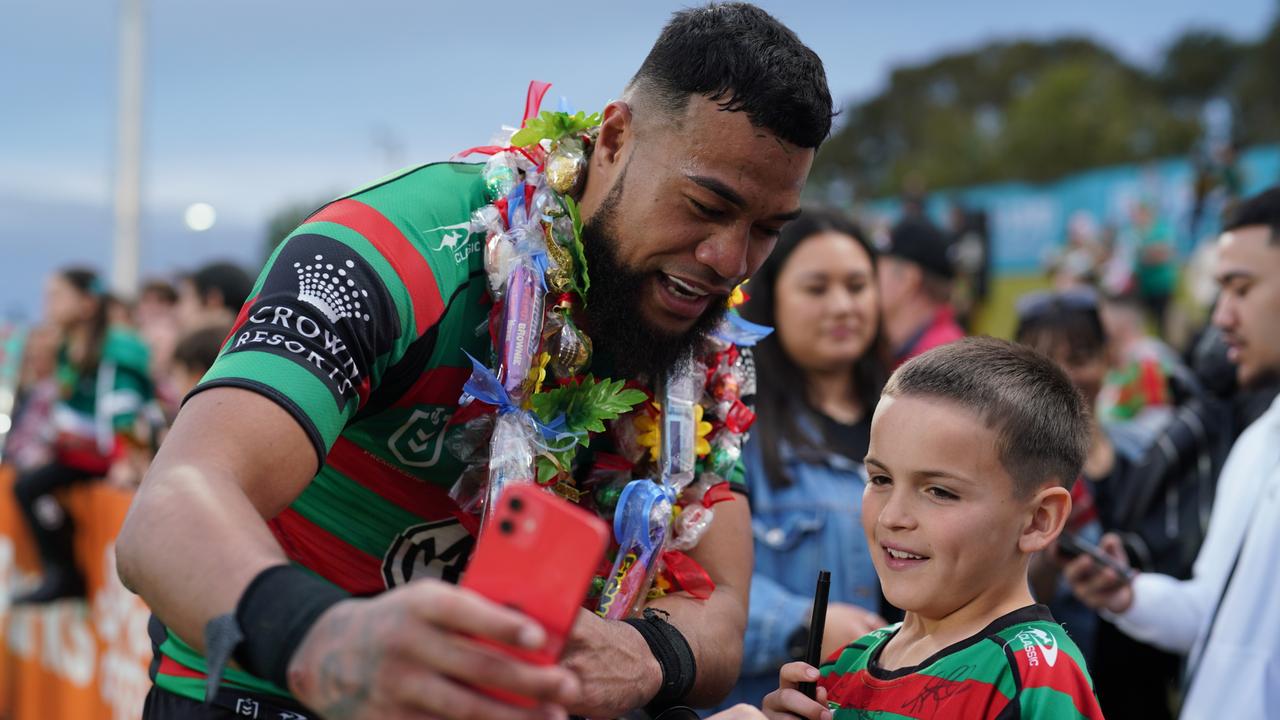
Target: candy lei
529, 417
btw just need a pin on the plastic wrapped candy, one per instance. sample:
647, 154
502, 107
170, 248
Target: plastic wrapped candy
724, 454
469, 489
569, 347
521, 330
560, 273
499, 251
679, 429
470, 444
511, 453
566, 166
641, 524
500, 175
487, 220
690, 526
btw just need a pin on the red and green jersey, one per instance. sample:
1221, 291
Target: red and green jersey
359, 327
1023, 665
96, 407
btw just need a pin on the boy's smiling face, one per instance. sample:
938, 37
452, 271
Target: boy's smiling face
944, 524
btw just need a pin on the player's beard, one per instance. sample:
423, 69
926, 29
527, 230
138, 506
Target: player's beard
617, 328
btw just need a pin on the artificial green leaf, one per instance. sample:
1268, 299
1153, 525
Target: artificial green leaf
587, 404
550, 125
583, 281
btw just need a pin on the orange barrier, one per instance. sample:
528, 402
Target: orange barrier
74, 659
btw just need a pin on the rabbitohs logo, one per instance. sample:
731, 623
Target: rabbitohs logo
456, 239
436, 549
419, 440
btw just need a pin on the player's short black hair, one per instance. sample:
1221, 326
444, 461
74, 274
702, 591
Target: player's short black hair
197, 349
741, 57
1040, 420
1261, 209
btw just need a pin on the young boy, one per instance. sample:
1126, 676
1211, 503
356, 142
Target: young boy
972, 447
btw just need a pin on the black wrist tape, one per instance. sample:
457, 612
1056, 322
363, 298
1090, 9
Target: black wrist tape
274, 614
673, 654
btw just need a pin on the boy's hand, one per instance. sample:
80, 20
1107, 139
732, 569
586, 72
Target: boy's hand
846, 623
741, 711
787, 702
1097, 586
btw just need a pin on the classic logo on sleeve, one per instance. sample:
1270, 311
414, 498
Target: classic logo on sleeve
1037, 642
324, 307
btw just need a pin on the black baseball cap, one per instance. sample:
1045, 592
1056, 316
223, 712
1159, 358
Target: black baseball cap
923, 243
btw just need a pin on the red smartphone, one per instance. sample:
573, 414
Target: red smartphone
537, 556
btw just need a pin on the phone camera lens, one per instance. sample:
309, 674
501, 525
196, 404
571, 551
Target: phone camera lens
516, 504
506, 527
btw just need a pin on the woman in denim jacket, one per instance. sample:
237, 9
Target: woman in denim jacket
820, 375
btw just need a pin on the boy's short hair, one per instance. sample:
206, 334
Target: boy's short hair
1040, 420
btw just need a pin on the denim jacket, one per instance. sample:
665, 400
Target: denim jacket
814, 524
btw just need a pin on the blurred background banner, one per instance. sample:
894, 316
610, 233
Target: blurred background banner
84, 659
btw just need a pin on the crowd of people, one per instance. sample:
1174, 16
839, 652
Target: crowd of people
99, 382
1071, 524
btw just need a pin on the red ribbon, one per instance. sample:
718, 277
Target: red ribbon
686, 574
533, 99
610, 461
718, 493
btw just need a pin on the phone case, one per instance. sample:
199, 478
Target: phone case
537, 556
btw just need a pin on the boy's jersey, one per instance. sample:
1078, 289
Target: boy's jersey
1022, 665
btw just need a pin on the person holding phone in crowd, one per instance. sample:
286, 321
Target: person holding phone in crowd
298, 519
1224, 618
820, 376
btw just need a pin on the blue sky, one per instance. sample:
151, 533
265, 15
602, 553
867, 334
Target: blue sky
253, 105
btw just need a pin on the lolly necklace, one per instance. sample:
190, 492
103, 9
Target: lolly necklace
529, 416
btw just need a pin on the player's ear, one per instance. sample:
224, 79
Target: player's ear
1047, 515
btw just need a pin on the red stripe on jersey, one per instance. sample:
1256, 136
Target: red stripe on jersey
1064, 676
347, 567
917, 695
407, 260
172, 668
427, 501
439, 386
241, 319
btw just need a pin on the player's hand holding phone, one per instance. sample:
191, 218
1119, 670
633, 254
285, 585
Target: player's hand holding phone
419, 650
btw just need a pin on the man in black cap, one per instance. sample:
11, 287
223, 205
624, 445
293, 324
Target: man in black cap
915, 276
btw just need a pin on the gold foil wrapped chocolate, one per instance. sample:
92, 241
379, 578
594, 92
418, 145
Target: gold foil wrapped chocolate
560, 273
570, 348
566, 166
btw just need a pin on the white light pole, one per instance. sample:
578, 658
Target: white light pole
128, 187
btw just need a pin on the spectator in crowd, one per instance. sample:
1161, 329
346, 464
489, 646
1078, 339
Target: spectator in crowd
1156, 270
29, 444
192, 358
915, 276
1078, 262
1225, 616
970, 250
156, 317
820, 376
102, 384
1132, 679
212, 295
1137, 395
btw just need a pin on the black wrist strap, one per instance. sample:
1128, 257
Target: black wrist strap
275, 612
674, 656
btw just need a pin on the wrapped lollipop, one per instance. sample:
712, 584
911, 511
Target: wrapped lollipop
566, 166
641, 525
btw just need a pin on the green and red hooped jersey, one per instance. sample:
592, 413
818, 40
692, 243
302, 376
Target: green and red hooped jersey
359, 327
1021, 666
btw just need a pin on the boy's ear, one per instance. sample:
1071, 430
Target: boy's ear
1049, 510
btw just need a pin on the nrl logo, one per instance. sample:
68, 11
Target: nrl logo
419, 440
